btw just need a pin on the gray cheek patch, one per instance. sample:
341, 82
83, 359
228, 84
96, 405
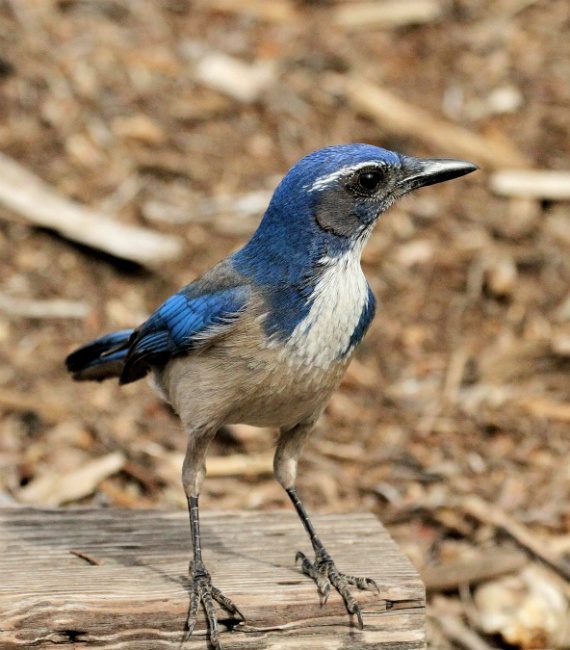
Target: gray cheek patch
335, 213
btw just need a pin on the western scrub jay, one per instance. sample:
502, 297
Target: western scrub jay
265, 335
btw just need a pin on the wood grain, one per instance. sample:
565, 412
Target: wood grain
117, 579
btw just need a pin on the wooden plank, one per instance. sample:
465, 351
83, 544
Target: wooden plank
117, 579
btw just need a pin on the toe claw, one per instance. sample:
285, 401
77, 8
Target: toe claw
234, 611
204, 592
324, 572
226, 603
324, 589
364, 584
371, 585
356, 610
300, 556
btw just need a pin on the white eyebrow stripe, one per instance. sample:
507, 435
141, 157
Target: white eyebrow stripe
325, 181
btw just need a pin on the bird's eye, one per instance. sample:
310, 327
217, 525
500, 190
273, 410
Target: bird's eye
369, 179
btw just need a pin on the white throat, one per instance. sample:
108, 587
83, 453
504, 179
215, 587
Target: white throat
337, 302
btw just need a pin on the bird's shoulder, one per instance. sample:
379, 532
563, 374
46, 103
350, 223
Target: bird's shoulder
192, 317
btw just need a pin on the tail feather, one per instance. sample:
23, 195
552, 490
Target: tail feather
100, 359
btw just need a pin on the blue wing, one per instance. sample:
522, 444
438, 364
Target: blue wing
181, 324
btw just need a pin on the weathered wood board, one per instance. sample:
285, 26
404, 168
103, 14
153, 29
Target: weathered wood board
87, 578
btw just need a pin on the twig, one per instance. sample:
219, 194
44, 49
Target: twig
532, 184
395, 115
206, 209
496, 517
28, 308
35, 201
88, 558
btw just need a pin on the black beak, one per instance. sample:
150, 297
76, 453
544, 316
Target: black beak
419, 172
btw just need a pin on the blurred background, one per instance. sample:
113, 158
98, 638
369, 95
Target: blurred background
178, 118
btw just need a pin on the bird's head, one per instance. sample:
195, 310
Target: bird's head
347, 187
331, 198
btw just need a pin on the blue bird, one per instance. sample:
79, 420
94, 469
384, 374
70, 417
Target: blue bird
265, 336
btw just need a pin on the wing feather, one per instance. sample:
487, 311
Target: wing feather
181, 324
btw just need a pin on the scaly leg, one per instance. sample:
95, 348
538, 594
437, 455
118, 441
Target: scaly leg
203, 591
323, 569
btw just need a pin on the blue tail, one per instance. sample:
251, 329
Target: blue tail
100, 359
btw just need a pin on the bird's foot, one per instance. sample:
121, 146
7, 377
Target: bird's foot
324, 572
203, 591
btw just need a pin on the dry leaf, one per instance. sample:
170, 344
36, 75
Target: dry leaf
528, 610
55, 488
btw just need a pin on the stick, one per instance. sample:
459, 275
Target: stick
35, 201
233, 465
397, 116
532, 184
496, 563
369, 15
493, 515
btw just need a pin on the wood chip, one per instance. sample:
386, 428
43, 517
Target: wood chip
238, 79
139, 127
543, 407
40, 205
395, 115
276, 11
539, 184
395, 13
501, 275
57, 487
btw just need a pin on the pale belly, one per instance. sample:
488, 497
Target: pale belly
264, 389
287, 396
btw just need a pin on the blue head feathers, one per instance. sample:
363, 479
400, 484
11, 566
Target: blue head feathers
328, 201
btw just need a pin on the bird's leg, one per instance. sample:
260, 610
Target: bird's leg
202, 589
322, 569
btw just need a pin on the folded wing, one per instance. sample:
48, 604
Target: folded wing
183, 323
